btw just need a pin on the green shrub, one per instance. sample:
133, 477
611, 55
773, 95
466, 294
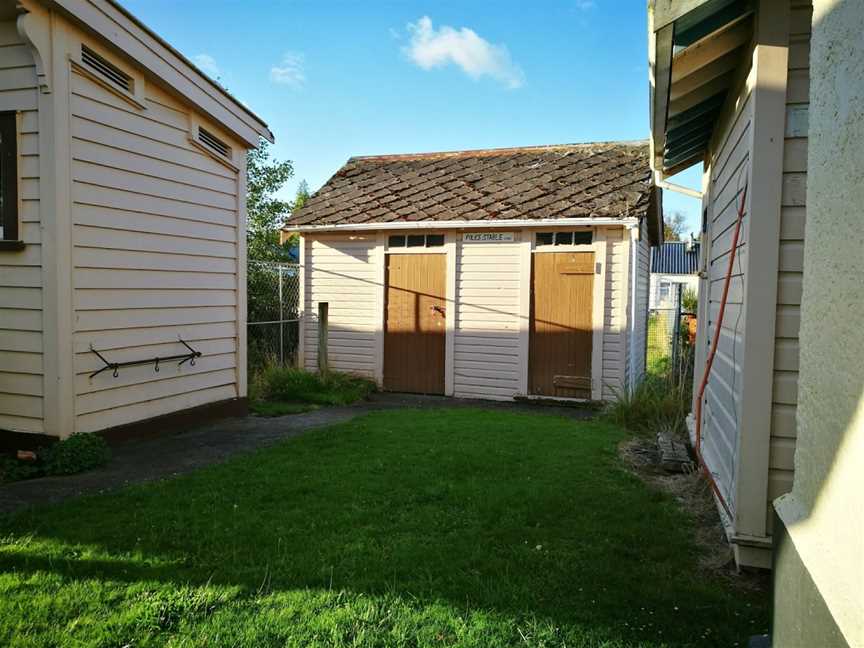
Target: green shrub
75, 454
689, 301
291, 385
11, 469
658, 403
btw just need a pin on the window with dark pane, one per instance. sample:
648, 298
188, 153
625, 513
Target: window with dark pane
396, 241
545, 238
8, 177
434, 240
563, 238
582, 238
416, 240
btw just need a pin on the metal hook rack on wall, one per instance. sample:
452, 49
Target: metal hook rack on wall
182, 358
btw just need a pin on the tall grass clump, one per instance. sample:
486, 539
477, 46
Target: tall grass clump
659, 403
277, 384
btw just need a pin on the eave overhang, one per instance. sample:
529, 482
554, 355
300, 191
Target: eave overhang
695, 48
120, 30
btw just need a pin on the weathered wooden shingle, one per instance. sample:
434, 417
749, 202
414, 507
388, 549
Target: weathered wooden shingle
608, 179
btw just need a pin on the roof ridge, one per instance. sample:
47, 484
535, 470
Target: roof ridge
495, 151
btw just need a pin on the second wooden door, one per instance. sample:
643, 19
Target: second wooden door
415, 323
561, 334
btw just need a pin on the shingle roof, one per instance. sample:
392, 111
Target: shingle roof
605, 179
676, 257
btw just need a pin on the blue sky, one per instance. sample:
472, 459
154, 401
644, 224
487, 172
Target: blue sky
336, 79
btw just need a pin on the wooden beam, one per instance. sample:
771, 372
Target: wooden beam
666, 12
725, 64
700, 94
660, 83
697, 112
712, 47
678, 168
323, 331
707, 19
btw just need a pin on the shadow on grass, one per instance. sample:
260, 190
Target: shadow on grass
529, 519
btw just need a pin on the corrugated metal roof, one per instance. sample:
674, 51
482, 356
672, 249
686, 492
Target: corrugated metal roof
676, 257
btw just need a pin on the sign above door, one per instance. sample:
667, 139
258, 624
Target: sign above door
488, 237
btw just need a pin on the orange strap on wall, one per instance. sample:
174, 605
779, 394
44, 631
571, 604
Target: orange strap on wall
713, 351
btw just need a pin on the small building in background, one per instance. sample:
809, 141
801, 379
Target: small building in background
122, 230
674, 268
483, 274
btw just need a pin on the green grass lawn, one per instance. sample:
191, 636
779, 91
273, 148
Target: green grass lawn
409, 528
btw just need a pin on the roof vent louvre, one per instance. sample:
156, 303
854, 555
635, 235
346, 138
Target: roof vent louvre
212, 142
106, 69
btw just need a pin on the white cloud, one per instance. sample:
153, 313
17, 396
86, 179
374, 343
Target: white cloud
290, 71
207, 64
431, 48
585, 5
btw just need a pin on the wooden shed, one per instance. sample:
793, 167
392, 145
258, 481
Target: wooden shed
123, 225
486, 274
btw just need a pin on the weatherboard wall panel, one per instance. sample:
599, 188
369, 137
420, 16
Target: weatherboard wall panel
615, 313
21, 294
488, 287
341, 271
155, 258
791, 262
729, 163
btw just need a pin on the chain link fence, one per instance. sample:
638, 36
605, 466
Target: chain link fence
273, 312
671, 339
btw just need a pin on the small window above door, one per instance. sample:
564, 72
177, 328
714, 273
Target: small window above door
564, 238
415, 241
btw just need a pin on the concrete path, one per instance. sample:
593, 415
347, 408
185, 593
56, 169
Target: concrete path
158, 458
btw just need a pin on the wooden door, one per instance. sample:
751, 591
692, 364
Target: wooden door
559, 361
415, 323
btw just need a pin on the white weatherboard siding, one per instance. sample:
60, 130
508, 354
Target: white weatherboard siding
342, 271
155, 258
21, 332
640, 336
720, 425
615, 309
791, 262
491, 289
487, 359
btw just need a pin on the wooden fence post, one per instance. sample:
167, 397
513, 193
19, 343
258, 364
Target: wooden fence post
323, 326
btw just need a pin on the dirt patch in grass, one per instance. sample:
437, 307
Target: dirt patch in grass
693, 493
271, 409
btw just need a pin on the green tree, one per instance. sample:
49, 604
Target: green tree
673, 226
265, 212
300, 197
